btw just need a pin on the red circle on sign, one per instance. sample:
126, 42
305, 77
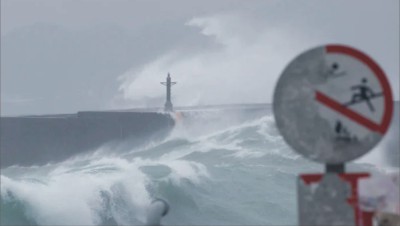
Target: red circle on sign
374, 67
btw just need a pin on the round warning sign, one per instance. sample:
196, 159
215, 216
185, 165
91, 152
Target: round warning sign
333, 104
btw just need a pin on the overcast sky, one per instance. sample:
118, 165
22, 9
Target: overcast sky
65, 56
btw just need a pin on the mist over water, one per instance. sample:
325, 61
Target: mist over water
211, 172
214, 169
241, 67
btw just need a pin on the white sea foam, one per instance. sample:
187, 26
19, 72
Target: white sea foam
242, 173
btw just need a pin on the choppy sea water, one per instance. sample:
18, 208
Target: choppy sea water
239, 174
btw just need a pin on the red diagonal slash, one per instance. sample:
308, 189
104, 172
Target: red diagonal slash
338, 107
388, 104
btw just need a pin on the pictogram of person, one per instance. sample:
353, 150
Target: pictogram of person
363, 93
334, 70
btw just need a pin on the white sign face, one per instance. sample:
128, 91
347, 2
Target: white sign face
333, 104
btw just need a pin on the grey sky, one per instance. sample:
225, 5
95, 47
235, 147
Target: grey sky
65, 56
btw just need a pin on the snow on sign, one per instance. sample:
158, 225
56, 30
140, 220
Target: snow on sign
333, 104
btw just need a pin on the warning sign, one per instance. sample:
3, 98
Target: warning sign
333, 104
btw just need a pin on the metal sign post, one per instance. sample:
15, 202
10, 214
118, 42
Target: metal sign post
332, 104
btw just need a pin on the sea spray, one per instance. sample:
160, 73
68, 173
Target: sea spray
243, 174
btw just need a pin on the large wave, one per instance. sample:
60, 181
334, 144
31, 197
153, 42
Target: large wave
243, 174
